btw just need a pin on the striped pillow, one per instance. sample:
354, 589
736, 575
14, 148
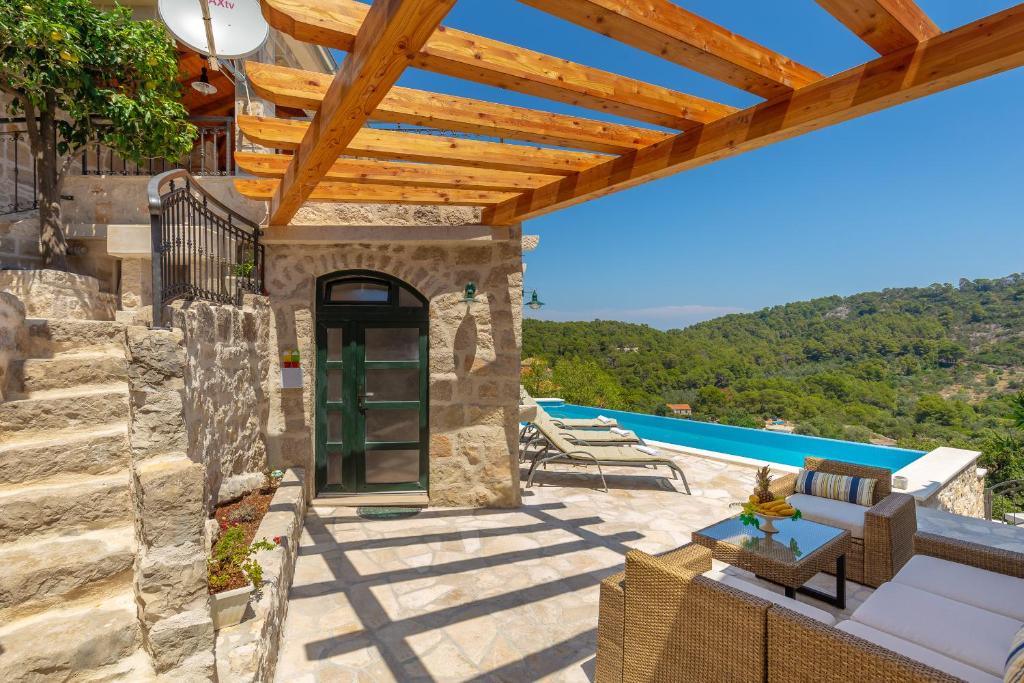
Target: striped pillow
859, 490
1014, 671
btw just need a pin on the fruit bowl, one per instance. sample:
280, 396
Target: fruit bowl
766, 520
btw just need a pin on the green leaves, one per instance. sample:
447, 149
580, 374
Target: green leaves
113, 79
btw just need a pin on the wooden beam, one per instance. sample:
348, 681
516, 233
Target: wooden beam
388, 144
885, 25
376, 172
363, 193
475, 58
305, 89
669, 31
391, 34
983, 48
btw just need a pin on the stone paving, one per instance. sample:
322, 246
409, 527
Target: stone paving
489, 595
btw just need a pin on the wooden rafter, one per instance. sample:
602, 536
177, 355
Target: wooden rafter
373, 171
386, 144
475, 58
305, 89
983, 48
885, 25
361, 193
669, 31
392, 32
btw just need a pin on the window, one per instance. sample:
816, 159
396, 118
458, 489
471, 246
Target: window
359, 289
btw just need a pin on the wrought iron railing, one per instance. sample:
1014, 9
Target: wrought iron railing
17, 168
201, 248
211, 154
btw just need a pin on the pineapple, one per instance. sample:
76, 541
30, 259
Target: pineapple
763, 488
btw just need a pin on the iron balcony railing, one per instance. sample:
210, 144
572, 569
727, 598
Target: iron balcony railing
211, 155
17, 168
202, 249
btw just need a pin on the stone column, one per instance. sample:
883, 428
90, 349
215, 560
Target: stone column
168, 492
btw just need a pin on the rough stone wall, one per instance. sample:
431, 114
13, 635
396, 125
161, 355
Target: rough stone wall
227, 363
474, 356
964, 495
168, 494
13, 339
19, 243
56, 294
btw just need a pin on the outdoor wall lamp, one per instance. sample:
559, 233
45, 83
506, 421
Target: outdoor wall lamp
470, 293
534, 303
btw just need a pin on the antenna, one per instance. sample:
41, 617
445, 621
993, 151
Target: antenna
225, 29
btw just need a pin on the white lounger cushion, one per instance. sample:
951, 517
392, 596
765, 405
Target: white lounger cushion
973, 636
913, 651
759, 591
835, 513
988, 590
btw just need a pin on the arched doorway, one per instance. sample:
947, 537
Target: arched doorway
371, 384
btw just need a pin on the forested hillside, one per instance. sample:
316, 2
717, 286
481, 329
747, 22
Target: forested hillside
920, 366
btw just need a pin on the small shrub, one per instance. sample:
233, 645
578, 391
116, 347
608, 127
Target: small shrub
232, 558
246, 512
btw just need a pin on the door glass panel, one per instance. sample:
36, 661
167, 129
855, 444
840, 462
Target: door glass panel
393, 384
334, 423
407, 299
392, 425
334, 377
334, 343
392, 467
358, 293
392, 343
333, 467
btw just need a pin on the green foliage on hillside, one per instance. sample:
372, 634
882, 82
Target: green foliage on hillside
926, 366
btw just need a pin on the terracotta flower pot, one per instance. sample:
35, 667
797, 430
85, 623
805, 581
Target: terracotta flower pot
227, 608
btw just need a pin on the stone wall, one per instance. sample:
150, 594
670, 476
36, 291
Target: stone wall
13, 340
56, 294
964, 494
19, 242
169, 494
474, 355
227, 364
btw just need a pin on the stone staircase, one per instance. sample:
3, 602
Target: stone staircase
67, 537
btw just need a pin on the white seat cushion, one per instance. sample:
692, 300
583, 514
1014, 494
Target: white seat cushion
988, 590
931, 658
771, 596
831, 512
968, 634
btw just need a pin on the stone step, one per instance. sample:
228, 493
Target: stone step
68, 369
69, 644
99, 450
48, 336
39, 573
77, 504
83, 407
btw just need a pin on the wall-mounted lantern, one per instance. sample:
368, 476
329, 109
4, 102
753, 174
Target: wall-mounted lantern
469, 295
534, 303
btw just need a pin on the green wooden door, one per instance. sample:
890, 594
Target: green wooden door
371, 398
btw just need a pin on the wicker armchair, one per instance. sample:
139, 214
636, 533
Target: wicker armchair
802, 649
889, 525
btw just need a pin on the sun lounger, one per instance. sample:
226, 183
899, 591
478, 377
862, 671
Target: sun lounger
558, 449
568, 423
584, 437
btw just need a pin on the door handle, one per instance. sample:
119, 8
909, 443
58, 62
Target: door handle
362, 399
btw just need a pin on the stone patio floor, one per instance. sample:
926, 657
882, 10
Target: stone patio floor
489, 595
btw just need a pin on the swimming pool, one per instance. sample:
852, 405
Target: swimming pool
760, 444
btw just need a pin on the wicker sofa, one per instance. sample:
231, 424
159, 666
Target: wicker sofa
668, 619
881, 535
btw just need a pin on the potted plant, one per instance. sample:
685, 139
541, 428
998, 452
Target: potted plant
233, 573
239, 279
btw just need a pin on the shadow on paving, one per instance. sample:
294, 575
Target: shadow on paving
390, 638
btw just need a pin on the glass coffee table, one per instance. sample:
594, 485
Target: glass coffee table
790, 557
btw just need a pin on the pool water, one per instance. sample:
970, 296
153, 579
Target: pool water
786, 449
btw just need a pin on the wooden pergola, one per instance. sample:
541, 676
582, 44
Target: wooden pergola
337, 158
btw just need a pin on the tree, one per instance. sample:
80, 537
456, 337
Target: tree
583, 382
80, 76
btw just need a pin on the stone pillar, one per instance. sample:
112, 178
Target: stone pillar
168, 493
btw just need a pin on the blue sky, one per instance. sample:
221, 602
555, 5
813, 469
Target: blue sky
930, 191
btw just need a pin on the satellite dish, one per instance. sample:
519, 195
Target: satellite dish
236, 28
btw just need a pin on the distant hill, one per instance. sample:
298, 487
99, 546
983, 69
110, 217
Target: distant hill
919, 365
